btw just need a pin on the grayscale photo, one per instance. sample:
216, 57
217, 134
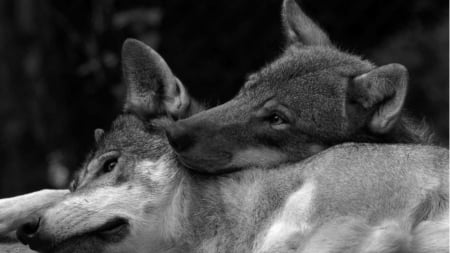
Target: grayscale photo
276, 126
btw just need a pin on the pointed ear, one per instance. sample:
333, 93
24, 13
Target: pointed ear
383, 91
300, 28
98, 135
152, 88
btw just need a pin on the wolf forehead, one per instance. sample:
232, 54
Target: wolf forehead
130, 135
307, 62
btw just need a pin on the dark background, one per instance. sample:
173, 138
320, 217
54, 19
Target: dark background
60, 64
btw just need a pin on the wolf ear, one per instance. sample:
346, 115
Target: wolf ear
381, 91
300, 28
98, 135
152, 88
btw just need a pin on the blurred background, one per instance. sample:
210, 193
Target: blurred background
60, 72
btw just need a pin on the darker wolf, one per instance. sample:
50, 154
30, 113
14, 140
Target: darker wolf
311, 97
132, 195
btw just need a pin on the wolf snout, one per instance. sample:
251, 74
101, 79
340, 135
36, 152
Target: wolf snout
179, 137
196, 148
29, 234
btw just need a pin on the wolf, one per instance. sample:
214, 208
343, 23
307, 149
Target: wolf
311, 97
132, 195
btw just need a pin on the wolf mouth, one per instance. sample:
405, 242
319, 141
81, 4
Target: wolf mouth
112, 230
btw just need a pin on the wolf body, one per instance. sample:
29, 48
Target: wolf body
133, 195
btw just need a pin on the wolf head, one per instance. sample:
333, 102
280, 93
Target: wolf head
123, 189
311, 97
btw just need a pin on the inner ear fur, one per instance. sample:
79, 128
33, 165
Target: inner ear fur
98, 135
383, 91
299, 28
152, 88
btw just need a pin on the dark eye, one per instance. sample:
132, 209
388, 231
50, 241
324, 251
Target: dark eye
109, 165
276, 119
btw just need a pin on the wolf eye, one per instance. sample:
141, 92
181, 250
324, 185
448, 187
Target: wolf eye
109, 165
276, 119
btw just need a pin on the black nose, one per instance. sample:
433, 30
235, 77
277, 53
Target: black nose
179, 137
28, 234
